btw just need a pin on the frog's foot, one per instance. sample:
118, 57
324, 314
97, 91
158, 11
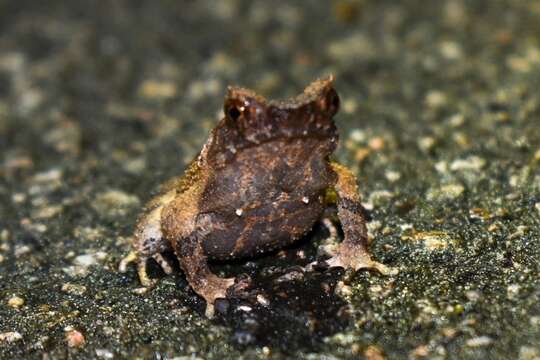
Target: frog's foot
357, 262
353, 262
223, 288
214, 288
142, 261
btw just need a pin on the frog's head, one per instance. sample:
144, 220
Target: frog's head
249, 119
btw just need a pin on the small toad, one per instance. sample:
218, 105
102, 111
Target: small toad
259, 184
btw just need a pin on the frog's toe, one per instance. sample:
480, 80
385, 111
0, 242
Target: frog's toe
317, 265
210, 310
141, 261
124, 263
143, 275
163, 263
360, 262
242, 287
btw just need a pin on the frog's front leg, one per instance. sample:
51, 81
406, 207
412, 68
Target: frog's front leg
149, 242
352, 252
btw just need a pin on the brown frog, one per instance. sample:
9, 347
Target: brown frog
258, 184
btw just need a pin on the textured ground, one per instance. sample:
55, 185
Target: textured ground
102, 101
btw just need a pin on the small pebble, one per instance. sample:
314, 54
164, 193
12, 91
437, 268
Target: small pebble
457, 120
4, 235
15, 301
75, 338
434, 240
261, 299
441, 167
472, 163
104, 353
134, 166
380, 196
290, 276
392, 176
426, 143
21, 250
52, 175
537, 155
33, 227
47, 212
472, 295
451, 50
377, 143
446, 192
436, 99
18, 198
512, 291
361, 154
449, 332
350, 106
419, 352
10, 336
376, 289
358, 135
153, 89
140, 290
529, 353
479, 341
73, 289
85, 260
374, 353
115, 203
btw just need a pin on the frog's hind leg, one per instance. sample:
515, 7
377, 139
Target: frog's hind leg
352, 252
202, 280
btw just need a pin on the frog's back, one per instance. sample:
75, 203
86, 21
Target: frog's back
265, 198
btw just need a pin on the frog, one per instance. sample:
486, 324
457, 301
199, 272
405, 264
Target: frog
261, 182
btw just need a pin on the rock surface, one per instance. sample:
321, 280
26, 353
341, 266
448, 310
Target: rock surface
100, 102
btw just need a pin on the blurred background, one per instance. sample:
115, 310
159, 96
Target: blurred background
101, 101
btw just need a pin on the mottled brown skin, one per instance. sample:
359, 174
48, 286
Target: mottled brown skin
258, 184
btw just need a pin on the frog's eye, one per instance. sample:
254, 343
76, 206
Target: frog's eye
234, 109
233, 112
332, 101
